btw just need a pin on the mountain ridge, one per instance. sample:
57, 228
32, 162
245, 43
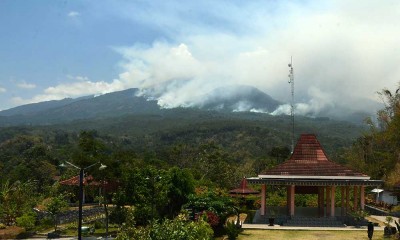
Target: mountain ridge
125, 102
227, 99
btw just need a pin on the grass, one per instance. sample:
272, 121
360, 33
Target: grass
307, 235
98, 232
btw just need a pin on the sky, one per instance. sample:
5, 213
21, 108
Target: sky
343, 52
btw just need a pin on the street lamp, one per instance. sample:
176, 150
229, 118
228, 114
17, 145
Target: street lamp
153, 182
81, 173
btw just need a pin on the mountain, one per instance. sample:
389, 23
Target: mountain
140, 124
38, 107
238, 98
108, 105
227, 99
127, 102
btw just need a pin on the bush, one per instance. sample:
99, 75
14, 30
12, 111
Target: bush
396, 208
118, 215
26, 221
210, 217
232, 230
45, 223
2, 226
99, 224
179, 228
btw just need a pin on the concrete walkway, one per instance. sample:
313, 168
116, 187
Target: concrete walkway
348, 228
278, 227
383, 219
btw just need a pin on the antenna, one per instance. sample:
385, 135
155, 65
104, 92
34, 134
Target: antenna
291, 82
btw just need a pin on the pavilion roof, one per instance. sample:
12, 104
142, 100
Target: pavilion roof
74, 181
309, 160
243, 189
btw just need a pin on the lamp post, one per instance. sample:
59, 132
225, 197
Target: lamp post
153, 182
81, 174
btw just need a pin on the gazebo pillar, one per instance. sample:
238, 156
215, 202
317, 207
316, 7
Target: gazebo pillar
347, 198
263, 199
342, 198
327, 199
321, 201
332, 201
290, 199
362, 197
355, 199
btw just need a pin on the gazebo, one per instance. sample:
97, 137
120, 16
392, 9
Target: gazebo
309, 171
243, 190
87, 181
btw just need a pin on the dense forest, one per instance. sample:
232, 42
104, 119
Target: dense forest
236, 144
377, 151
180, 151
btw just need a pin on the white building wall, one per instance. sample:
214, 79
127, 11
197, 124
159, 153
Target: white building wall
386, 197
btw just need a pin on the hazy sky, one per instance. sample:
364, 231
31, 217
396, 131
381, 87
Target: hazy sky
343, 51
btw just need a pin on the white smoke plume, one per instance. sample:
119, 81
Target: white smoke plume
343, 51
342, 56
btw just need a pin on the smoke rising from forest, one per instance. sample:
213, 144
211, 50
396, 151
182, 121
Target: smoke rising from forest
343, 53
342, 56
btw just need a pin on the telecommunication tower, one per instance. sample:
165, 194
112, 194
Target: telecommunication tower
291, 82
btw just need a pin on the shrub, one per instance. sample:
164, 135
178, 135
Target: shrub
118, 215
179, 228
98, 224
232, 230
26, 221
2, 226
396, 208
210, 217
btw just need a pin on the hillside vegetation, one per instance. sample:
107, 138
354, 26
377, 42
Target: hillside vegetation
171, 159
174, 137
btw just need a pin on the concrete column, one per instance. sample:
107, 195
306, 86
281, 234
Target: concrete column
263, 200
347, 198
362, 197
288, 200
355, 199
320, 201
342, 197
328, 202
333, 201
291, 208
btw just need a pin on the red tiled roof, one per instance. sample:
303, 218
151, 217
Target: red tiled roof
243, 189
74, 181
309, 159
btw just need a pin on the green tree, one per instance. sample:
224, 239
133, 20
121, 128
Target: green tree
213, 200
55, 206
376, 152
212, 163
181, 185
27, 158
146, 189
16, 199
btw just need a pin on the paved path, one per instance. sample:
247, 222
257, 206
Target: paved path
349, 228
278, 227
383, 219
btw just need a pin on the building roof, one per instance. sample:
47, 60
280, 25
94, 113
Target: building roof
74, 181
309, 161
243, 189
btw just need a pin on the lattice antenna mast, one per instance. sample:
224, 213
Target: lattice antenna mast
291, 82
